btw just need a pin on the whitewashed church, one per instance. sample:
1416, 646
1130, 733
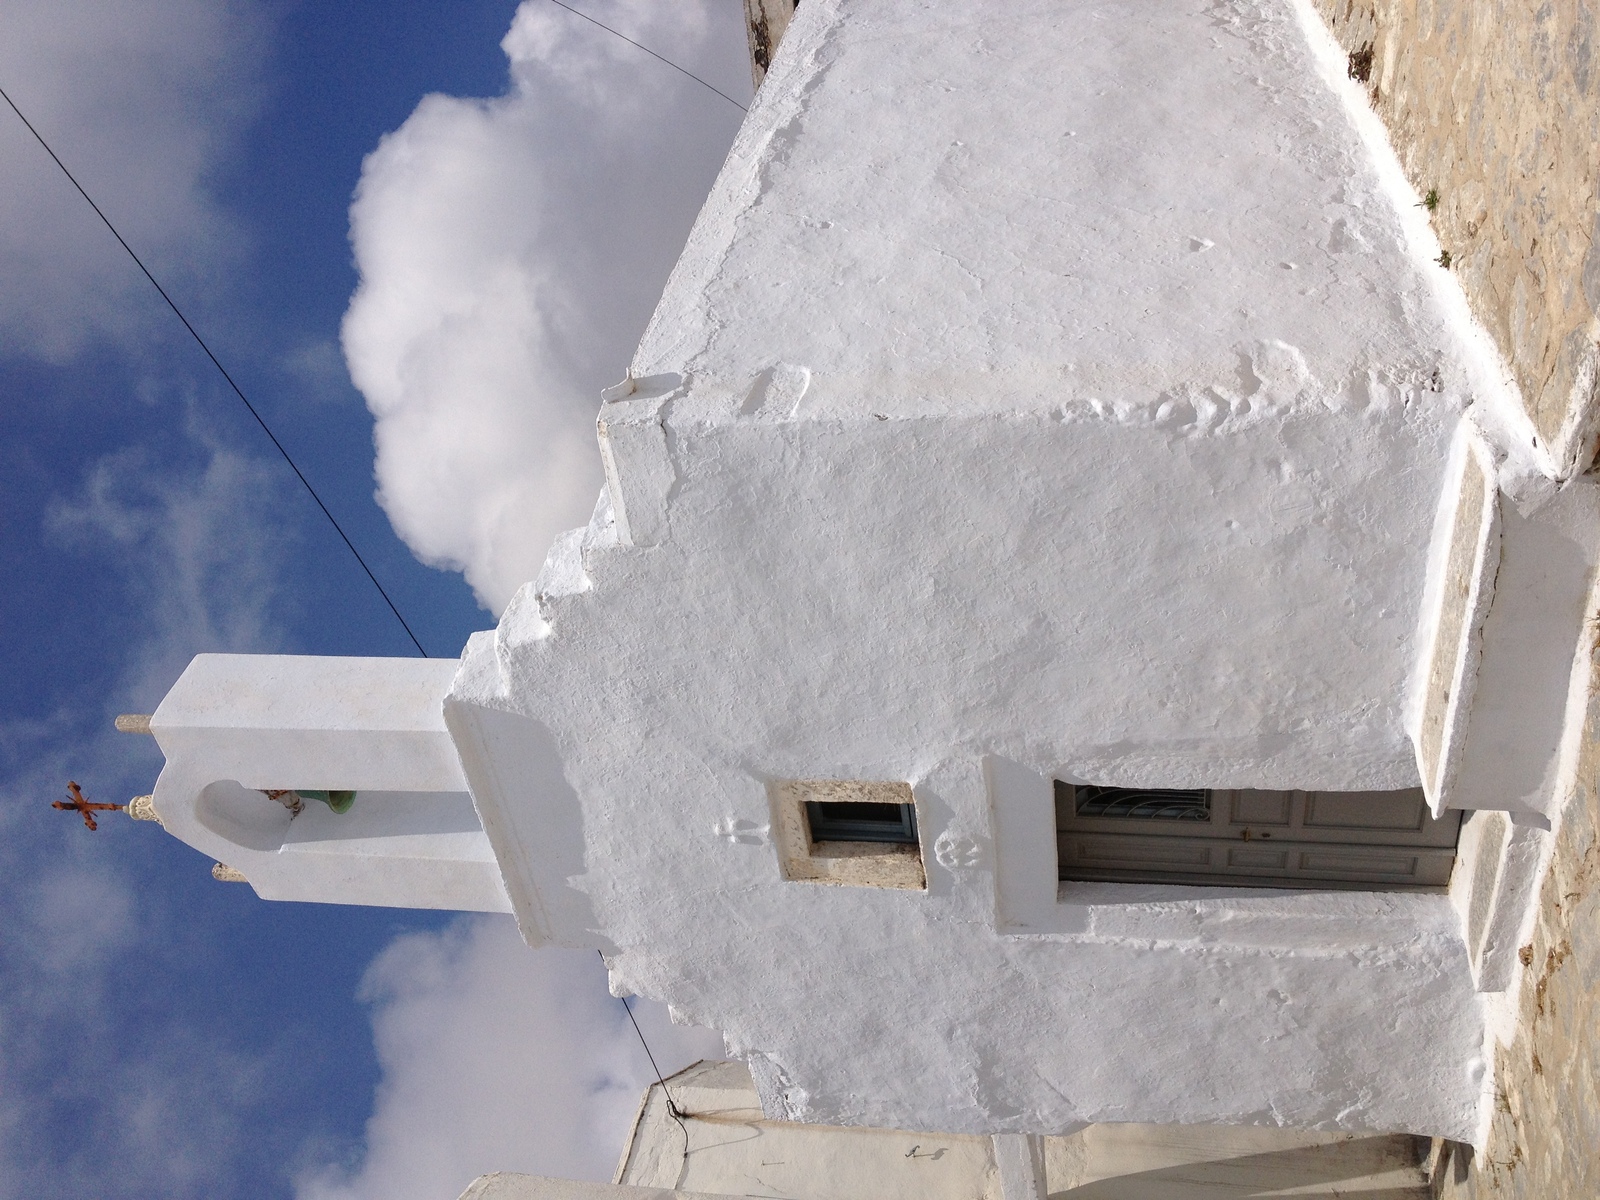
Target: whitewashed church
1078, 627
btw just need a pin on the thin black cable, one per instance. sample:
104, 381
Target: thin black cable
236, 390
651, 53
673, 1110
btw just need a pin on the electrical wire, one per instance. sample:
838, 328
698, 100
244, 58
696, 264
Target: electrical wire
651, 53
237, 391
673, 1110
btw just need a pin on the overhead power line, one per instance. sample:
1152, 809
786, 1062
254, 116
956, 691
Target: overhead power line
265, 428
651, 53
673, 1110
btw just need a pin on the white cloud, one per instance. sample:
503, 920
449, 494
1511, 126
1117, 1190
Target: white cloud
78, 916
496, 1057
510, 252
141, 99
208, 554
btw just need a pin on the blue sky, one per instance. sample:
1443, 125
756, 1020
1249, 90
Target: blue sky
162, 1034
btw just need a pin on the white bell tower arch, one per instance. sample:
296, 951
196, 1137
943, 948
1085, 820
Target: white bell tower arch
250, 742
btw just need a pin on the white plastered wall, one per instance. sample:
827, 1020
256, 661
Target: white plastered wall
1047, 390
726, 1145
506, 1185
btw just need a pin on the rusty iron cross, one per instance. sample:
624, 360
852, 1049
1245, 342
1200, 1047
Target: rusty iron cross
79, 805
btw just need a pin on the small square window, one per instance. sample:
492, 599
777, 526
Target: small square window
861, 821
852, 832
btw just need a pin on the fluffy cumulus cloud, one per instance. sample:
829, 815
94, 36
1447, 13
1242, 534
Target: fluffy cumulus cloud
95, 77
510, 252
499, 1058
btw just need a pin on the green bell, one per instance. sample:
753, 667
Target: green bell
339, 801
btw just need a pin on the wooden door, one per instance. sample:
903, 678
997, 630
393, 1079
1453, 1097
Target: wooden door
1247, 838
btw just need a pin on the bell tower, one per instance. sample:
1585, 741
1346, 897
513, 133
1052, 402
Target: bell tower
324, 779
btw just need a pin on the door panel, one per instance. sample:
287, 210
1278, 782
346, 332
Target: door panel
1390, 812
1260, 808
1155, 852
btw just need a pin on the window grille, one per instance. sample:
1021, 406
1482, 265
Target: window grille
1148, 804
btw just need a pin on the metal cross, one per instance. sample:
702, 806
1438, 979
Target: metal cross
79, 805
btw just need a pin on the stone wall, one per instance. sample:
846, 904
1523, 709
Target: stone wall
1546, 1122
1494, 108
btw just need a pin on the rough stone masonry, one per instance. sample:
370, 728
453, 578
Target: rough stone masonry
1494, 109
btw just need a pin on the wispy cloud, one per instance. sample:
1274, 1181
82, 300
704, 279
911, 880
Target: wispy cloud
96, 77
104, 1091
510, 253
201, 555
498, 1058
